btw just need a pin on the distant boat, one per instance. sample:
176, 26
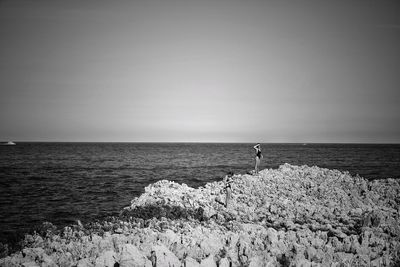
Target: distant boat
9, 143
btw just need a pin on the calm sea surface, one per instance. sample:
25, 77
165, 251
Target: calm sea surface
63, 182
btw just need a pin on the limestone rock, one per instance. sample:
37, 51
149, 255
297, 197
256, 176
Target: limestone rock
106, 259
164, 257
208, 262
84, 263
190, 262
256, 262
211, 245
30, 264
224, 262
131, 256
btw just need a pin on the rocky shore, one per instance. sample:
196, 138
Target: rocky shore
290, 216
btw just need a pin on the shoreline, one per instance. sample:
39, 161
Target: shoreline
288, 216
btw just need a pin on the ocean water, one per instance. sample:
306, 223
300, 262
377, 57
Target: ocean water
63, 182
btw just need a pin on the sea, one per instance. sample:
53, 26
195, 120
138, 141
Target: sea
65, 182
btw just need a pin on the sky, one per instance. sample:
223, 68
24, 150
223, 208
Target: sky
200, 71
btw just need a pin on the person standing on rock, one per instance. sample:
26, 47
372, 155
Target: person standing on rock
228, 188
259, 156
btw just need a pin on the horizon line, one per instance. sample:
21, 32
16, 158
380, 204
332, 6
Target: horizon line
206, 142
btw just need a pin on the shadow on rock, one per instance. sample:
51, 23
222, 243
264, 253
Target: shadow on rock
166, 211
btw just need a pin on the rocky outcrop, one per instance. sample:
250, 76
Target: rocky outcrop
291, 216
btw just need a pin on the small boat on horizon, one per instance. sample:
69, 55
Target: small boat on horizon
9, 143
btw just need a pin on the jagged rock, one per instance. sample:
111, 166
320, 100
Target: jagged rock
361, 260
211, 245
303, 263
256, 262
47, 261
119, 231
65, 259
106, 259
344, 258
224, 262
272, 235
164, 257
33, 253
208, 262
376, 262
30, 264
84, 263
131, 256
311, 253
190, 262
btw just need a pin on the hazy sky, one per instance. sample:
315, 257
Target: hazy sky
199, 70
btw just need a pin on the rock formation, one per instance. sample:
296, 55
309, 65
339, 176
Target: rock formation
290, 216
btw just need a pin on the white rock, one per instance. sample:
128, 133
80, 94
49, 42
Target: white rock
47, 261
208, 262
190, 262
224, 262
303, 263
84, 263
30, 264
256, 262
272, 235
106, 259
164, 257
131, 256
211, 245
